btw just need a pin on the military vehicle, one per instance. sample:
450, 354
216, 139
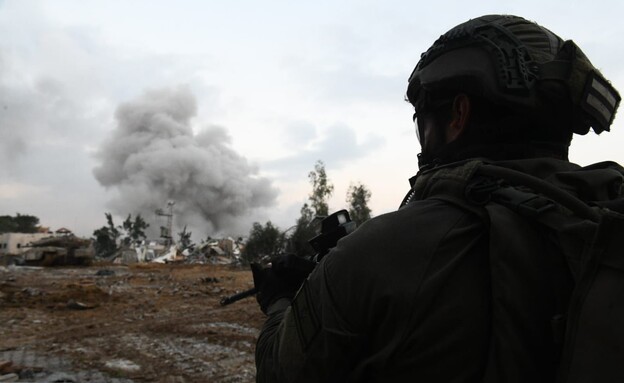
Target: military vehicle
58, 251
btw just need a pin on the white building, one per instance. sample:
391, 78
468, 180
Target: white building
15, 243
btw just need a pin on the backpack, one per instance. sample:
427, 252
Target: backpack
581, 227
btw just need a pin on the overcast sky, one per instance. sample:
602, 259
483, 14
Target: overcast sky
225, 106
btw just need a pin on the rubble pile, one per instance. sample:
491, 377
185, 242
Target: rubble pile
225, 251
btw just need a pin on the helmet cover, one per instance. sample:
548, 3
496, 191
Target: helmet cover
514, 62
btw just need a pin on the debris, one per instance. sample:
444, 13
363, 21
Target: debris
105, 273
217, 290
169, 336
27, 374
75, 305
32, 292
209, 280
60, 378
9, 378
123, 365
174, 379
170, 256
6, 366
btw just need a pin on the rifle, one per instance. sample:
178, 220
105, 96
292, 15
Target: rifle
333, 227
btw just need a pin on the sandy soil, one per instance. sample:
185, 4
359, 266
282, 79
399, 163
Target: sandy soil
141, 323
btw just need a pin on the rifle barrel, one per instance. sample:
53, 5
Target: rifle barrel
237, 297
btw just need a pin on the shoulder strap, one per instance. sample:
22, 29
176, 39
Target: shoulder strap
575, 205
591, 239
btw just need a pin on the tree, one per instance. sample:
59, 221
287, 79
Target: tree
322, 189
104, 244
185, 238
7, 225
264, 241
126, 226
304, 231
26, 223
357, 197
106, 238
135, 230
21, 223
112, 230
138, 228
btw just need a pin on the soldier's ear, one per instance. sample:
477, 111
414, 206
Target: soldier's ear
460, 114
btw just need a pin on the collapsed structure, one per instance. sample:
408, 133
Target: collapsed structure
222, 251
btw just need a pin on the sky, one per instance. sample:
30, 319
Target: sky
225, 106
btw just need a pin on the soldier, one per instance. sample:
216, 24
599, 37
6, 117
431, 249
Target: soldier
439, 291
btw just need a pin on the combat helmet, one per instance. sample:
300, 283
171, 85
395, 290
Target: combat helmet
514, 62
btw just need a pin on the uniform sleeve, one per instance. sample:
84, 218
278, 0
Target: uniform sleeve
267, 342
393, 300
306, 341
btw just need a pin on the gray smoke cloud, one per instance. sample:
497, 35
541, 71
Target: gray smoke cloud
153, 156
22, 112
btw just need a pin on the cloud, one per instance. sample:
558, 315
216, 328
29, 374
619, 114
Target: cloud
347, 67
15, 190
153, 156
20, 114
338, 146
298, 134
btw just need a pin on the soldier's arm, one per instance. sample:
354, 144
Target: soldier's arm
308, 340
267, 342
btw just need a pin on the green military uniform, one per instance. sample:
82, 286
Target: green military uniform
408, 296
446, 290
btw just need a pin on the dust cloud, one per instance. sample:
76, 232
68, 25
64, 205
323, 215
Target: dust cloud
153, 156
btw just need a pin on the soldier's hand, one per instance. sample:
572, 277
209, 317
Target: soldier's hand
281, 280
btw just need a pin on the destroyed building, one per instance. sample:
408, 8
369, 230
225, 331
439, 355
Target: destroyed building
215, 251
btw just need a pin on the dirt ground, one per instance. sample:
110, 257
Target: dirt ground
140, 323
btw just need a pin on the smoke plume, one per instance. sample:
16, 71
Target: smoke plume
153, 156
